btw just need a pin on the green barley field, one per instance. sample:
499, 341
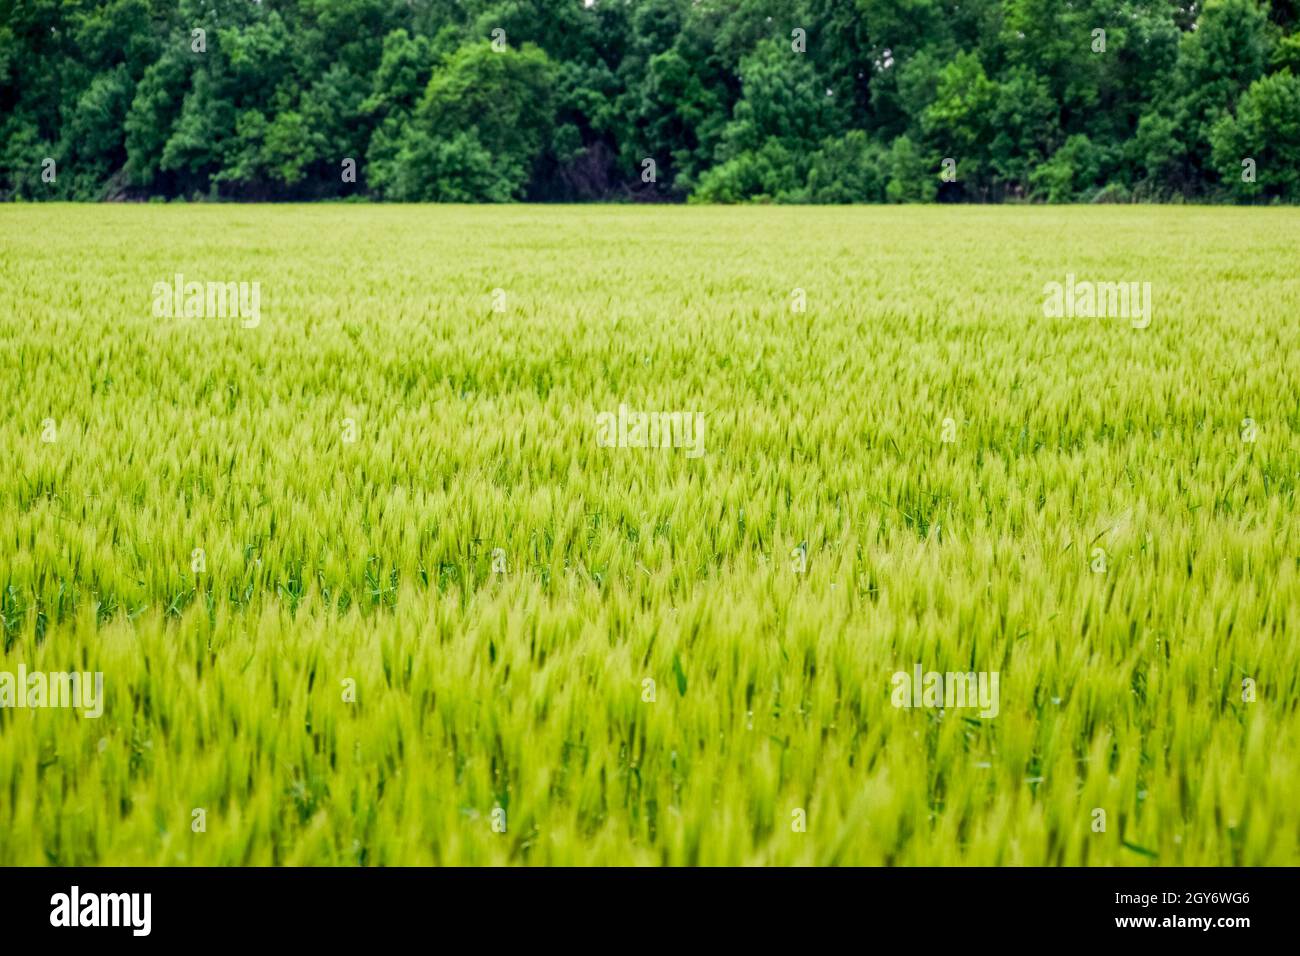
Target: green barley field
367, 587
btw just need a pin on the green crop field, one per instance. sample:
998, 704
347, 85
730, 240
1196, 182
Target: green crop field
378, 569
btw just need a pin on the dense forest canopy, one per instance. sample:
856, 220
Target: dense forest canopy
706, 100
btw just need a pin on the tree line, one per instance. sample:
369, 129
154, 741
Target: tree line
814, 101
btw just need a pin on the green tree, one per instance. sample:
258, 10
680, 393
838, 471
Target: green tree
958, 122
1072, 172
1228, 51
1265, 130
781, 119
479, 127
850, 169
912, 176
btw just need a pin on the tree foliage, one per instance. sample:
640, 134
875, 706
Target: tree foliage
713, 100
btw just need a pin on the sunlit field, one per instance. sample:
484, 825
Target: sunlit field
375, 574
